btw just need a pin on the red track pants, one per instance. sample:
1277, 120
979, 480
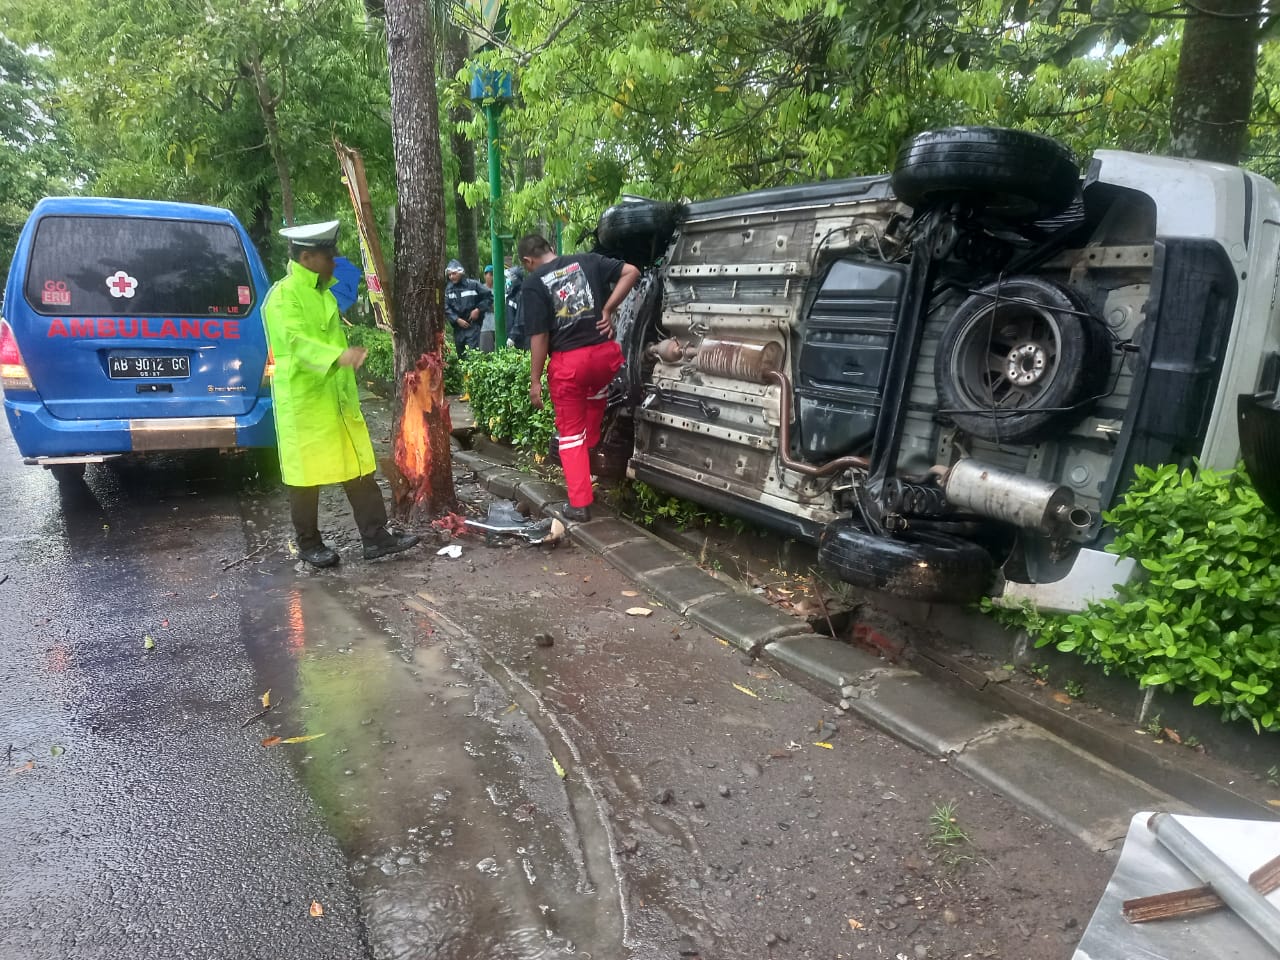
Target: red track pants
579, 380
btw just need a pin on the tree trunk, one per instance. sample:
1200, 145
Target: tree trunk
1217, 72
422, 426
267, 104
259, 228
464, 151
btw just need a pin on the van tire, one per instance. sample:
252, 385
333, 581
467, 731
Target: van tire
915, 564
1012, 175
639, 231
1074, 351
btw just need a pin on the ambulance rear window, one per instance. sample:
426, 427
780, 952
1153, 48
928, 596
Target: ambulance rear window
135, 266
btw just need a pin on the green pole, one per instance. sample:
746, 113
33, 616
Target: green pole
495, 241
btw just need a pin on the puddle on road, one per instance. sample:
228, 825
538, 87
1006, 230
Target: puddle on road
464, 840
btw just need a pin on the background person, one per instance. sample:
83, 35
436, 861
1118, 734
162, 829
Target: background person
320, 431
489, 329
465, 302
567, 311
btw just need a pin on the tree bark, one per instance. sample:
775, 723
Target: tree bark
267, 104
422, 425
464, 151
1217, 72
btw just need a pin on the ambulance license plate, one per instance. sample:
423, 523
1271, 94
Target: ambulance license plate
132, 367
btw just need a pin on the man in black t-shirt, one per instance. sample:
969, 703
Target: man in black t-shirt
566, 310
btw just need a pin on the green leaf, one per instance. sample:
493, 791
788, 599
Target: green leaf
1184, 584
1155, 679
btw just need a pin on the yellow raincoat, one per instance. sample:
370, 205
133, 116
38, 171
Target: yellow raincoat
319, 427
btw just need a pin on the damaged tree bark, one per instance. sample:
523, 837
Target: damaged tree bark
422, 426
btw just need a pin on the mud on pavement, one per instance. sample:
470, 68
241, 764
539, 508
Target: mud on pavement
623, 785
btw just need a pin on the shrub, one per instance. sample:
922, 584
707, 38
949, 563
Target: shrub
498, 386
381, 362
1204, 616
647, 505
453, 380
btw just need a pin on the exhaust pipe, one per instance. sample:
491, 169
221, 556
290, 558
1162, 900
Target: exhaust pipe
1047, 508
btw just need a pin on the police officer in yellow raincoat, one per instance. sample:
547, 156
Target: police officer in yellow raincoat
320, 430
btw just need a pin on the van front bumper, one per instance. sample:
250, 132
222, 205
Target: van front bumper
39, 434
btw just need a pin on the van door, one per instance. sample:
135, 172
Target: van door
137, 317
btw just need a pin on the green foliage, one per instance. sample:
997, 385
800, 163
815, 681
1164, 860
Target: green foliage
1074, 689
1203, 618
36, 157
946, 829
498, 385
380, 364
647, 505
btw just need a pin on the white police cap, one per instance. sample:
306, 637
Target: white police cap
313, 234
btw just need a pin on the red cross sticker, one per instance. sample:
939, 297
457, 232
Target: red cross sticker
562, 293
120, 284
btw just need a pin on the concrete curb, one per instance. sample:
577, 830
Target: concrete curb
1055, 781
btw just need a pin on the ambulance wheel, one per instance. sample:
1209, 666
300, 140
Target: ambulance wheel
1011, 175
67, 472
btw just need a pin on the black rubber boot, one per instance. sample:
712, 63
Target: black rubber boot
576, 514
304, 505
371, 517
389, 543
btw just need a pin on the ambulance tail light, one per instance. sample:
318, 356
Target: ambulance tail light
268, 373
13, 372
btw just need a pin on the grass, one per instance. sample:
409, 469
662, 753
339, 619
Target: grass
947, 831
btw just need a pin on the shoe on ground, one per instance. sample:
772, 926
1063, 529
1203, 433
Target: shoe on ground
576, 514
390, 543
321, 556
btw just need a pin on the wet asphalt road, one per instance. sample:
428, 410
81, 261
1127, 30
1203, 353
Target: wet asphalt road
469, 794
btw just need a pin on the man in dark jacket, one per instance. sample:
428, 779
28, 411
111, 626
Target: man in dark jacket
465, 304
567, 306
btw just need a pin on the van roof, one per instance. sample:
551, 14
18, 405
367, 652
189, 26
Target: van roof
120, 207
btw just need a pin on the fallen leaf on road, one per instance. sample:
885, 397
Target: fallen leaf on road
630, 593
266, 699
555, 764
1062, 698
587, 578
823, 744
57, 750
1274, 803
310, 736
148, 643
271, 741
780, 754
722, 641
638, 611
746, 690
29, 765
513, 708
164, 624
854, 924
761, 675
1172, 734
316, 909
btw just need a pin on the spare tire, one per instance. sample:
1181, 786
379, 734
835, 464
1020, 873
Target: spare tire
916, 564
1008, 174
1018, 360
638, 231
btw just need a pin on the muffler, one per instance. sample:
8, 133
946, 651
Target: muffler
1047, 508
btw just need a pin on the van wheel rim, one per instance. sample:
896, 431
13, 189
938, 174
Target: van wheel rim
1007, 358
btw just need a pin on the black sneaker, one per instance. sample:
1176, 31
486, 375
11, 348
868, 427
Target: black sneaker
390, 543
321, 556
576, 514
